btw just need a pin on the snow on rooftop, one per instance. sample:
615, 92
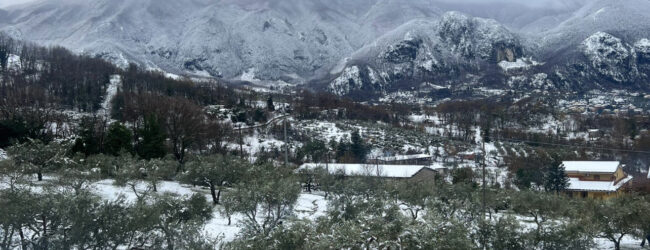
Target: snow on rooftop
404, 157
518, 64
437, 165
391, 171
576, 184
591, 166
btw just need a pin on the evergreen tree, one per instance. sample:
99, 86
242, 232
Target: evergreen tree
118, 139
12, 131
358, 147
88, 143
555, 179
314, 150
152, 144
269, 104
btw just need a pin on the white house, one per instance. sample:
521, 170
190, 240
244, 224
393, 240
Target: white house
420, 172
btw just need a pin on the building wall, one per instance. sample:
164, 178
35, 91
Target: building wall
425, 175
617, 176
594, 195
592, 176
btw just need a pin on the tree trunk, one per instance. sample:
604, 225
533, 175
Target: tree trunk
617, 243
23, 243
229, 220
218, 195
8, 237
44, 244
215, 200
39, 175
170, 243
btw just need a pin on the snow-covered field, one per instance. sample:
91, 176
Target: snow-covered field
628, 243
308, 205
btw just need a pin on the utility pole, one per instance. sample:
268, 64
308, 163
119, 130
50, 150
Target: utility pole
286, 144
241, 143
484, 194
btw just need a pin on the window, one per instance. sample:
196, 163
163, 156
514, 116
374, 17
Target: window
597, 177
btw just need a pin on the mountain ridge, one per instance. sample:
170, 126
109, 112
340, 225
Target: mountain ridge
314, 42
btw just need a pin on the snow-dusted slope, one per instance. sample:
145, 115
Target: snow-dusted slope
628, 19
426, 48
276, 38
610, 56
381, 45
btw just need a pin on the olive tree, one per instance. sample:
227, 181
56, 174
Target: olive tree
215, 171
37, 157
265, 198
615, 218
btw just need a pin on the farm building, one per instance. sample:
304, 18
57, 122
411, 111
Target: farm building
410, 172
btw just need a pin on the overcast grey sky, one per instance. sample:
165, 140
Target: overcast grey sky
533, 3
5, 3
530, 3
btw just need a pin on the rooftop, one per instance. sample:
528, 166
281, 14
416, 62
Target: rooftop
403, 157
591, 166
391, 171
576, 184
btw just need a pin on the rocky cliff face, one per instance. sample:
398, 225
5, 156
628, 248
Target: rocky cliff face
642, 49
424, 50
610, 57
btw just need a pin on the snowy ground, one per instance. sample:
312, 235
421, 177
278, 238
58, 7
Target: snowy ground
628, 242
308, 206
325, 130
111, 91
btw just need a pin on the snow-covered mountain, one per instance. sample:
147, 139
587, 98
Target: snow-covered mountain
374, 46
423, 49
271, 39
